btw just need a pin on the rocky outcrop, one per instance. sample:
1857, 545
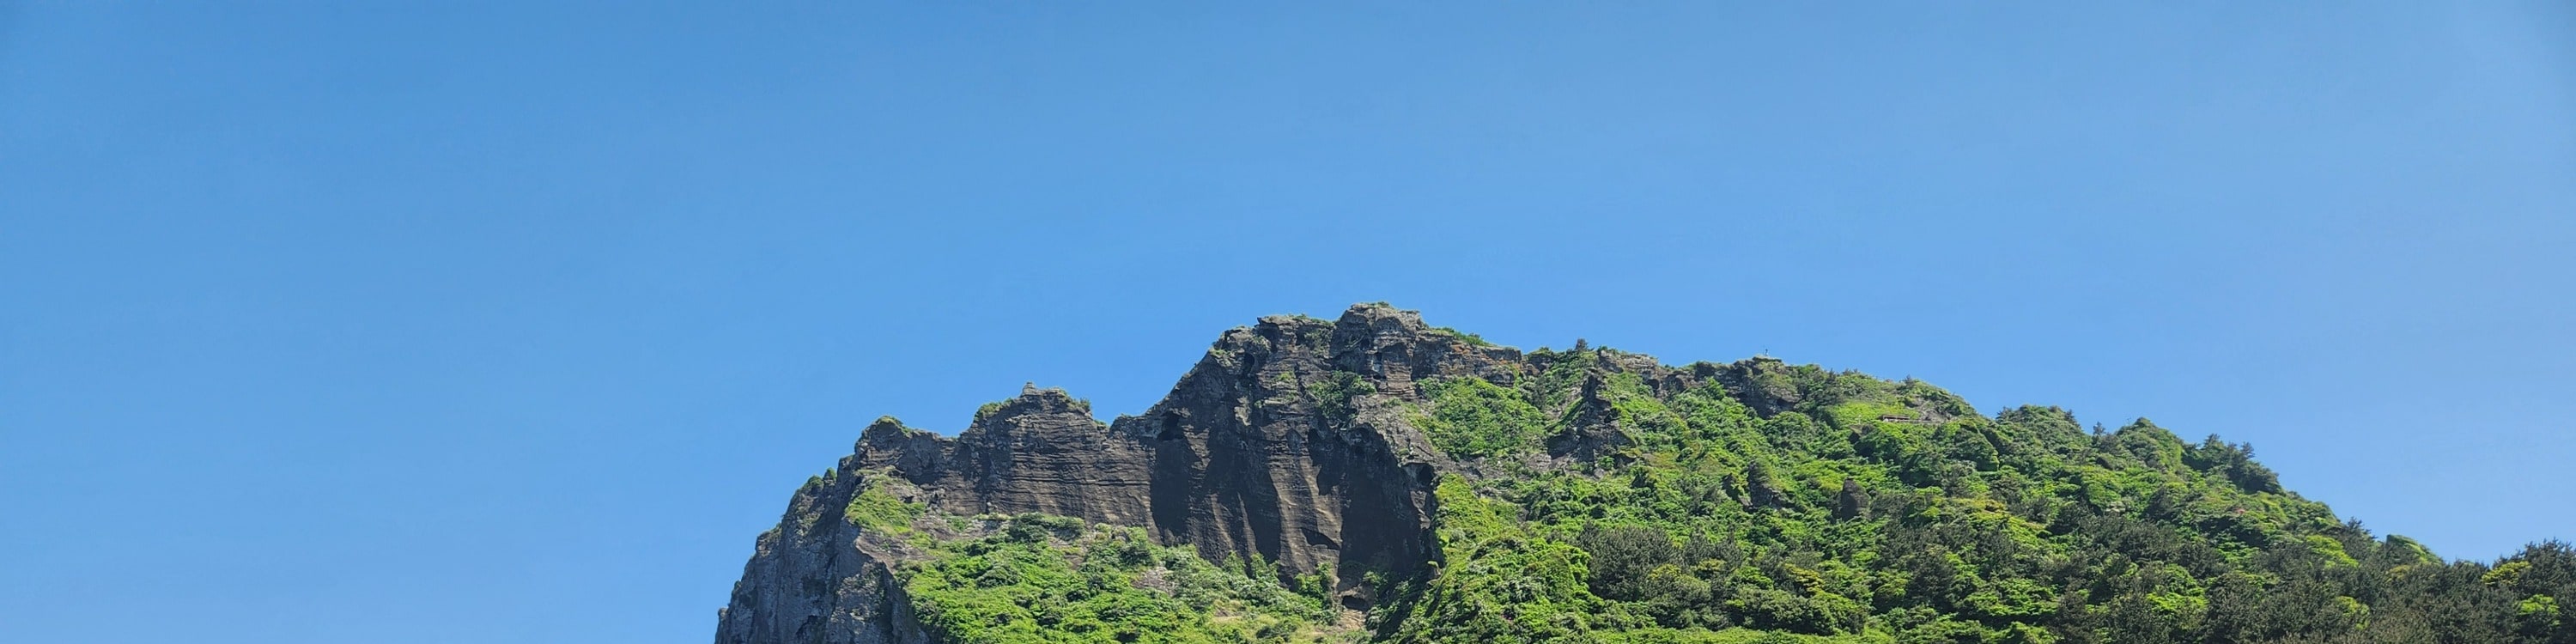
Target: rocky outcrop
814, 580
1591, 427
1291, 441
1288, 442
1851, 503
1038, 452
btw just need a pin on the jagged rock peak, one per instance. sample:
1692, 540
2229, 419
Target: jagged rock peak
886, 426
1381, 316
889, 434
1033, 400
1368, 332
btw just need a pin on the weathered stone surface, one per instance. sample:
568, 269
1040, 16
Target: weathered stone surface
1591, 426
1851, 503
1038, 452
813, 580
1271, 447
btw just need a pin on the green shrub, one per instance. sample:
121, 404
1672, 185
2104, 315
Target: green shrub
1052, 579
1470, 417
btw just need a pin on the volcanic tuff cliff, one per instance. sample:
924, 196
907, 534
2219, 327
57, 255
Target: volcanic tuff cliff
1374, 477
1246, 457
1288, 441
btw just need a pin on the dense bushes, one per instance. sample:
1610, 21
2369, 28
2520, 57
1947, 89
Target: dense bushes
1471, 418
1866, 510
1052, 579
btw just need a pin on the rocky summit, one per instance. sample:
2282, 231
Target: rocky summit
1373, 478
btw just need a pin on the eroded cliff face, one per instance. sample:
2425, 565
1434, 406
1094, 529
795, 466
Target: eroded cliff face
1289, 441
814, 579
1039, 452
1292, 441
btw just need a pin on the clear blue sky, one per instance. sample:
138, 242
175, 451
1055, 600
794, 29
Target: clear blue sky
506, 324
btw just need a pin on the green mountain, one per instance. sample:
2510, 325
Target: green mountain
1374, 479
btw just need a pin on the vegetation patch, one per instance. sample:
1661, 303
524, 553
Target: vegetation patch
1041, 580
1472, 418
877, 510
1875, 511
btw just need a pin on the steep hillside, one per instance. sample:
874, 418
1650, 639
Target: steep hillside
1376, 479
